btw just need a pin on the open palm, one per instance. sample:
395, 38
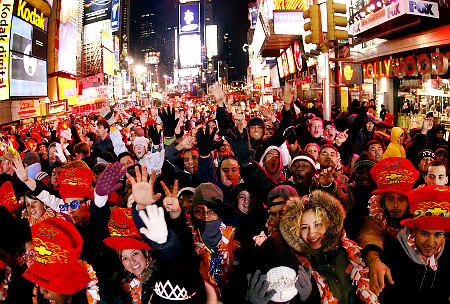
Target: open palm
142, 188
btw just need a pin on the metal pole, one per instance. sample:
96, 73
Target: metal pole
326, 89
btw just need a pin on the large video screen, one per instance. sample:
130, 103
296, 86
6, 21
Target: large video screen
96, 10
190, 50
27, 39
189, 18
67, 52
28, 75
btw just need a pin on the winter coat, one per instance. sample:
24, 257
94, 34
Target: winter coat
395, 148
415, 282
331, 261
278, 175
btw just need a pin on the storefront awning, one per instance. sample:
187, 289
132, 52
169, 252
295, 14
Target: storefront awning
274, 43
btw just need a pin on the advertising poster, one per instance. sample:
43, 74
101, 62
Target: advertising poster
211, 41
189, 18
30, 14
27, 39
115, 15
96, 10
108, 59
280, 67
190, 50
67, 90
5, 27
28, 75
67, 54
290, 59
152, 57
22, 109
116, 52
291, 4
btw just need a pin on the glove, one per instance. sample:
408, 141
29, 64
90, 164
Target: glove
303, 283
59, 153
155, 135
257, 289
240, 144
155, 225
108, 182
290, 135
108, 115
205, 141
169, 122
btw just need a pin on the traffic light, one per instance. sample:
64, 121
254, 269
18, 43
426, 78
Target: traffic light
333, 21
314, 25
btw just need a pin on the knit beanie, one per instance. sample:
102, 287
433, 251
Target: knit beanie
364, 160
425, 153
141, 141
284, 191
209, 195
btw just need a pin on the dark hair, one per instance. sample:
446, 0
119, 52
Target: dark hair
437, 163
373, 142
327, 146
103, 123
123, 154
372, 107
92, 136
82, 148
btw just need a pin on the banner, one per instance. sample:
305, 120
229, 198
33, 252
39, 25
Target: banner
22, 109
189, 18
57, 107
96, 10
115, 15
67, 90
30, 14
6, 9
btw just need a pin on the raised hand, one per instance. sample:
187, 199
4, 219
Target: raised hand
142, 189
20, 169
287, 96
427, 124
205, 141
303, 283
218, 94
257, 290
167, 116
328, 176
240, 144
155, 225
155, 135
341, 138
170, 201
108, 182
187, 143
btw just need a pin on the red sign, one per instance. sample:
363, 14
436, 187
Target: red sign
57, 107
298, 55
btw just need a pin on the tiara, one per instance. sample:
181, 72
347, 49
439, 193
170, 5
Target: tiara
168, 292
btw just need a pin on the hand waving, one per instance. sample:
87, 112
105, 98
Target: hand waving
142, 188
155, 135
169, 122
257, 291
241, 145
155, 225
205, 141
303, 283
108, 182
170, 201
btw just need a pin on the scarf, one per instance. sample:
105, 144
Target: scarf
212, 234
359, 274
134, 288
408, 242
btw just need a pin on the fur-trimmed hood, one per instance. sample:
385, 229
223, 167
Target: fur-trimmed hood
290, 222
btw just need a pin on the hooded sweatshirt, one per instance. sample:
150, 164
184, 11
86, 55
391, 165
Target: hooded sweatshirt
278, 175
395, 148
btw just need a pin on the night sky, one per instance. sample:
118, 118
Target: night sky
230, 16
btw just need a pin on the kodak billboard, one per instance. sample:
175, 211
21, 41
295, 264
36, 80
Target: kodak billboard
30, 14
6, 12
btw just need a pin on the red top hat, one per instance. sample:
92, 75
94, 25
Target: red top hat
30, 144
395, 174
76, 182
58, 245
124, 234
430, 206
8, 198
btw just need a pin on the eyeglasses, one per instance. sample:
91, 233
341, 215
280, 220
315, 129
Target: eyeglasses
27, 257
73, 205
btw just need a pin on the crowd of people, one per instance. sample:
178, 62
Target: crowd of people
225, 201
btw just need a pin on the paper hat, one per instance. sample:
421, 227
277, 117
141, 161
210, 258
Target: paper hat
30, 144
8, 197
395, 174
430, 206
124, 234
76, 182
58, 245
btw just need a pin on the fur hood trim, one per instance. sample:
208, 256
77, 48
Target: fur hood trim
290, 222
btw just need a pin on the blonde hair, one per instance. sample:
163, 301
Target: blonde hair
320, 213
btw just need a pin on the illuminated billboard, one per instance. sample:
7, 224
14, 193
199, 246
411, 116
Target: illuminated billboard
67, 52
288, 23
115, 15
189, 18
280, 67
290, 60
67, 89
211, 41
28, 75
30, 14
291, 4
23, 109
96, 10
284, 63
190, 50
152, 57
27, 39
108, 62
5, 21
